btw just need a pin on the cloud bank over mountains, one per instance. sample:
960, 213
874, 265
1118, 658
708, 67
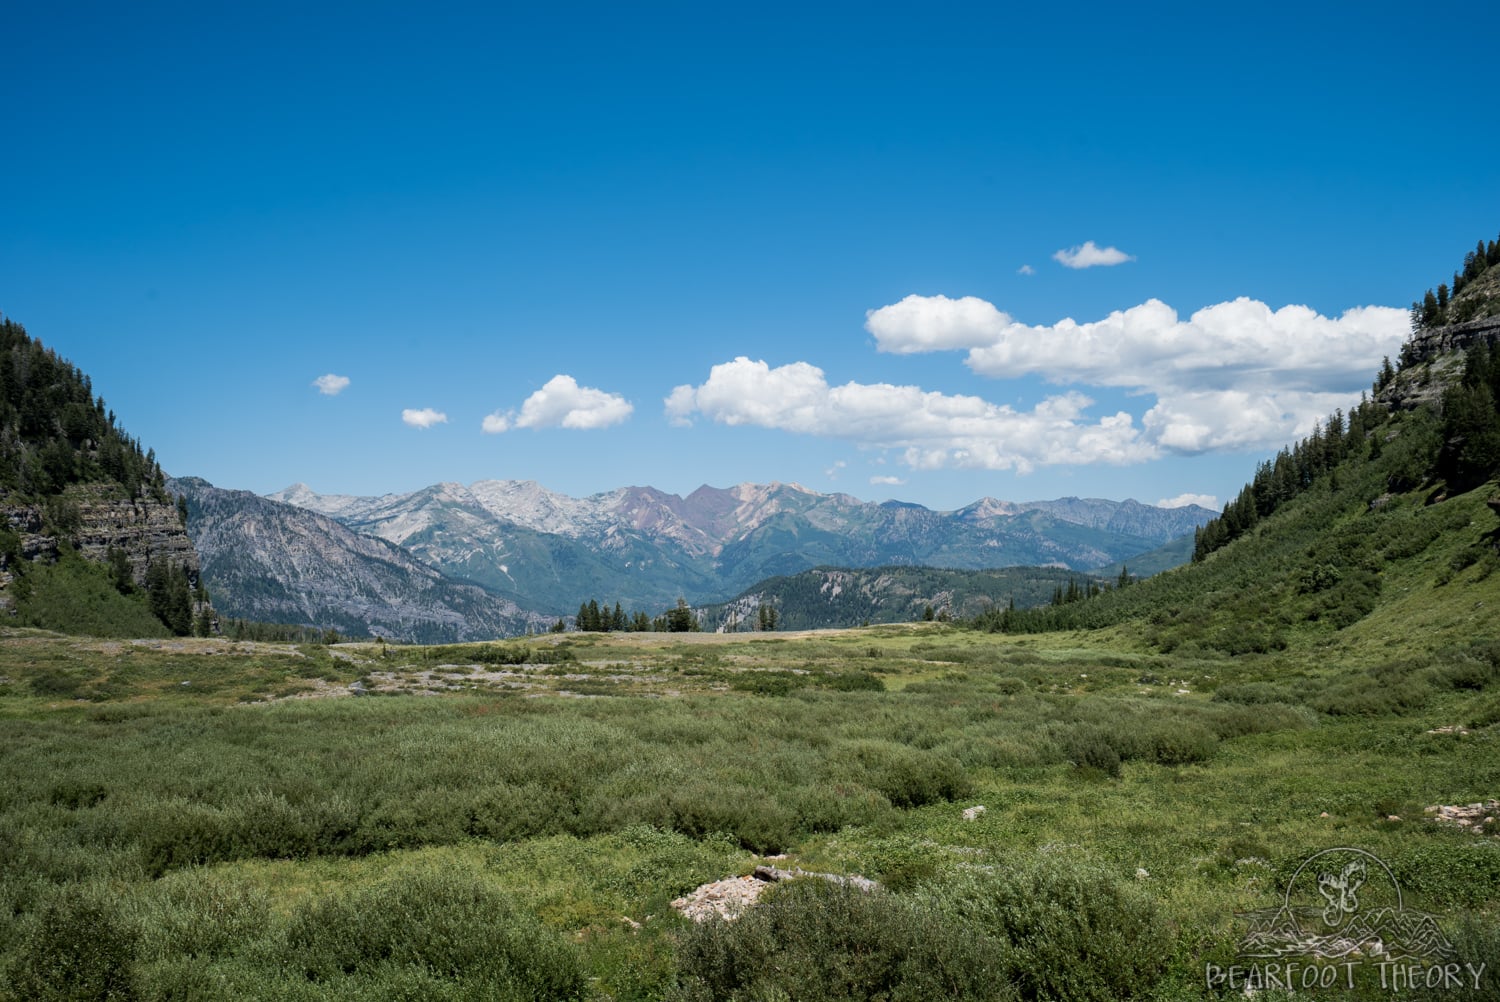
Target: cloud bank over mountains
932, 430
1236, 375
1233, 376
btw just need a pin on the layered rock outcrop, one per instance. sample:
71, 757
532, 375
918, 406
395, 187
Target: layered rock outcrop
97, 520
1433, 360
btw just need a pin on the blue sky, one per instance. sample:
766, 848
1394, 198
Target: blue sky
676, 244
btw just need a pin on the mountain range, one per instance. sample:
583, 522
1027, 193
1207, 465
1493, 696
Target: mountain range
538, 553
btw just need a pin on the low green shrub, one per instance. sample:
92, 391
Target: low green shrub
198, 914
834, 806
905, 776
1255, 693
852, 681
447, 926
769, 683
1089, 747
815, 940
80, 946
1365, 696
1066, 929
1179, 742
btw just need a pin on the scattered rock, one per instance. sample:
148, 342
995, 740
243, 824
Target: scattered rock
722, 898
771, 874
1449, 729
971, 813
728, 898
1472, 816
1141, 873
1323, 815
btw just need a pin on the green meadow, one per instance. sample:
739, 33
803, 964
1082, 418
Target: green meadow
204, 819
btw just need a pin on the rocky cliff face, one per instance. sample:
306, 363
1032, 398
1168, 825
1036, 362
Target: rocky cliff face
264, 560
98, 519
1433, 360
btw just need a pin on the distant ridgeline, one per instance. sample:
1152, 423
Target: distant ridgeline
90, 541
1433, 425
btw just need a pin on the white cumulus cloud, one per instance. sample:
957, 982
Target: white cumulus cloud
424, 418
1091, 255
1026, 269
936, 323
562, 403
888, 481
330, 385
1232, 375
1183, 500
932, 430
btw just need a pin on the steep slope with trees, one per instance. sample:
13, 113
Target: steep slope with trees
90, 540
1380, 520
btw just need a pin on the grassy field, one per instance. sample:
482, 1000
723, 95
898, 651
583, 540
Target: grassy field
201, 819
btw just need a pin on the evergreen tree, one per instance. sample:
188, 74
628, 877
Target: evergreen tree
120, 573
681, 619
168, 597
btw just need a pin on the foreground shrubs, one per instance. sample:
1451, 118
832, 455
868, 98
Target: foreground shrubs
440, 926
1046, 929
79, 946
1063, 929
814, 940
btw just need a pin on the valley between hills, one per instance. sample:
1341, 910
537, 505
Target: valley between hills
1128, 790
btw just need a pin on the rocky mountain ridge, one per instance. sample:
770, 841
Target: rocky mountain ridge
276, 562
546, 550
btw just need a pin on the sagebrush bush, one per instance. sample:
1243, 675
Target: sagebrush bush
815, 940
1178, 742
80, 946
1065, 929
905, 776
447, 925
1089, 747
197, 914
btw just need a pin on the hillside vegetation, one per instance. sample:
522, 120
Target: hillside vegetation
90, 540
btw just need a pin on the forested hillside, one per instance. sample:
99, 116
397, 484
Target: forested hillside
90, 540
1386, 512
843, 596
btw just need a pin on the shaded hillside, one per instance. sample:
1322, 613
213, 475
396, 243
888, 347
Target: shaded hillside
840, 596
275, 562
